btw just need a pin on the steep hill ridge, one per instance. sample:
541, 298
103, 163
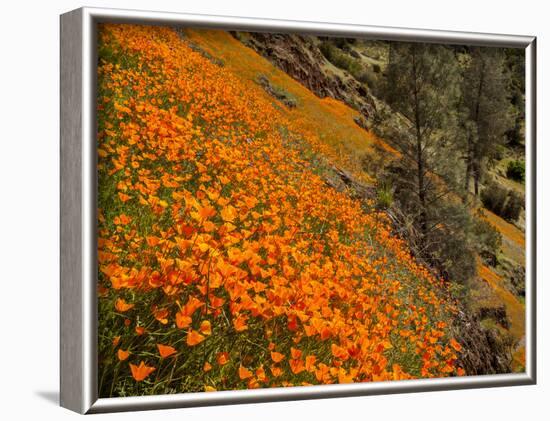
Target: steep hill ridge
288, 53
226, 261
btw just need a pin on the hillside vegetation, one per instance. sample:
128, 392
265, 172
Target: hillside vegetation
230, 255
458, 197
256, 232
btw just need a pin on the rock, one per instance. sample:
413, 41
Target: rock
356, 188
498, 314
300, 57
362, 122
516, 274
484, 351
488, 258
518, 280
276, 92
335, 182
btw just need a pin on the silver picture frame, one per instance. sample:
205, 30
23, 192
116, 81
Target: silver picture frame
78, 254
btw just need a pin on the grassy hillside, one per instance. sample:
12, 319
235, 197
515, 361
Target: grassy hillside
326, 122
513, 249
352, 147
226, 259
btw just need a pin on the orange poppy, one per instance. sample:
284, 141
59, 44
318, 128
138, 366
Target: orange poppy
339, 352
205, 327
124, 197
244, 373
240, 323
141, 371
295, 353
310, 363
183, 321
222, 358
456, 346
122, 306
161, 315
296, 366
122, 355
276, 371
277, 356
194, 338
166, 350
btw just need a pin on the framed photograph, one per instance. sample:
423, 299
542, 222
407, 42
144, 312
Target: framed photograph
257, 210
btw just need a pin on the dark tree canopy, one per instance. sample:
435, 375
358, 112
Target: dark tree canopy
486, 103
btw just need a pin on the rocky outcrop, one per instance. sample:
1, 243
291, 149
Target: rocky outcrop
362, 122
485, 350
341, 180
276, 92
498, 314
300, 57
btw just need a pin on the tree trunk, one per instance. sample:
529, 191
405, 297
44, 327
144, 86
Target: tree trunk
419, 151
421, 188
477, 176
468, 174
475, 159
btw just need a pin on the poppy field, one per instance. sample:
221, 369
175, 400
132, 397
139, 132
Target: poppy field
225, 259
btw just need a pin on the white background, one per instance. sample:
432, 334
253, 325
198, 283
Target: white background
29, 196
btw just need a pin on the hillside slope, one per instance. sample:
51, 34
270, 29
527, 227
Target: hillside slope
360, 151
327, 119
222, 248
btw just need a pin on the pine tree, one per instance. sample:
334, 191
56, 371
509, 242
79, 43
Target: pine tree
423, 85
485, 92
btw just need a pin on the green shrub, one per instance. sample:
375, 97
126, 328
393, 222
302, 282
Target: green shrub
340, 59
373, 80
515, 135
363, 76
503, 202
494, 197
340, 42
384, 195
513, 206
447, 246
499, 152
489, 239
516, 171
